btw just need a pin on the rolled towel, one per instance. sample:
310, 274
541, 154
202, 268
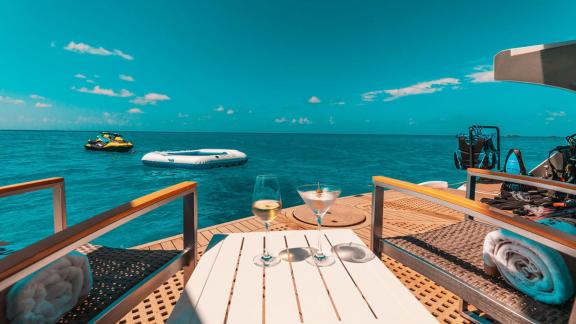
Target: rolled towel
534, 269
47, 294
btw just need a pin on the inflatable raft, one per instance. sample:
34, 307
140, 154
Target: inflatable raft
195, 159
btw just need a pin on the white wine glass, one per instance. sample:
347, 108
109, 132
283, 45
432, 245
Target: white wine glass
266, 205
319, 197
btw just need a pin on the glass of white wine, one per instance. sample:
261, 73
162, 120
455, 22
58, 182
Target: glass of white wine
319, 197
267, 205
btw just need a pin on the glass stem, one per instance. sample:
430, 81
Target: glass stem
320, 253
265, 255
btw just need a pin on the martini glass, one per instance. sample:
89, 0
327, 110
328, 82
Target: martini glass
319, 197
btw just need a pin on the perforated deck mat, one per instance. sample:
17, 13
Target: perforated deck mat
457, 249
114, 272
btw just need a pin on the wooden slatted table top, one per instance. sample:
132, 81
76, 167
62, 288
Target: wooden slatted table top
227, 287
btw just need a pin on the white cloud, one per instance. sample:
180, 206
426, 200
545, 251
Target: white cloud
411, 122
331, 120
126, 77
228, 111
11, 101
183, 115
421, 88
83, 48
301, 121
36, 97
42, 105
553, 115
371, 96
150, 98
123, 55
416, 89
113, 119
79, 76
125, 93
106, 92
293, 121
90, 81
314, 100
340, 103
483, 74
135, 111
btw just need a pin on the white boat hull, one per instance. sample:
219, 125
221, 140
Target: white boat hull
195, 159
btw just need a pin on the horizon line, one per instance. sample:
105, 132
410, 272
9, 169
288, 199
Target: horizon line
239, 132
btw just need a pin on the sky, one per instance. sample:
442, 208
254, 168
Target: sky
375, 67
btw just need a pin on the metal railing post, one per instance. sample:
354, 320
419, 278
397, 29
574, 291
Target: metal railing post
377, 219
470, 190
59, 207
572, 319
190, 232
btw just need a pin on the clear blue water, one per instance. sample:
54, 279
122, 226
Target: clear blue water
98, 181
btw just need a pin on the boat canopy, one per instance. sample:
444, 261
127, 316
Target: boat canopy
545, 64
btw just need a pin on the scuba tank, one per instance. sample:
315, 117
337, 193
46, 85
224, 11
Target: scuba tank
514, 164
567, 171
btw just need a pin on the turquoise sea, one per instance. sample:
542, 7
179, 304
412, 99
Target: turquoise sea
98, 181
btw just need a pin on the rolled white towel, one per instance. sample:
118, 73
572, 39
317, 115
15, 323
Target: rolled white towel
47, 294
536, 270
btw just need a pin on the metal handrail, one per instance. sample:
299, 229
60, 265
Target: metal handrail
559, 186
58, 196
24, 262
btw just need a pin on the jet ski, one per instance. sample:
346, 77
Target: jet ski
109, 142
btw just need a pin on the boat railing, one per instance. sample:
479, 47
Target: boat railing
546, 235
474, 174
22, 263
58, 196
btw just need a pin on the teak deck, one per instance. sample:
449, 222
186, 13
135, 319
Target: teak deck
402, 215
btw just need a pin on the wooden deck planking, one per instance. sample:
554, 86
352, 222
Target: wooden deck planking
168, 245
402, 214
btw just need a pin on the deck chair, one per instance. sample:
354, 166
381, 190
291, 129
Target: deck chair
121, 277
452, 255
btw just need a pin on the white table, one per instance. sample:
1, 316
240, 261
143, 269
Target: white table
226, 286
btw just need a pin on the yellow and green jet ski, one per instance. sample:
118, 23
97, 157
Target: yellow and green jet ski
110, 142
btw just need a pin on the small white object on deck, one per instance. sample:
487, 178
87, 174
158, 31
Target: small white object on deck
226, 287
435, 184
